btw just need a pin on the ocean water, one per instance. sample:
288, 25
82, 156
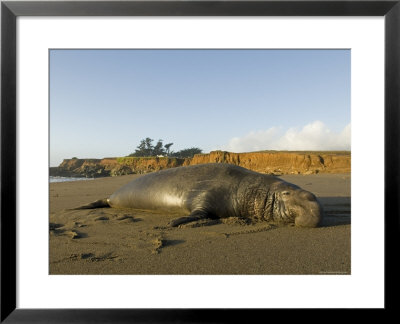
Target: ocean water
66, 179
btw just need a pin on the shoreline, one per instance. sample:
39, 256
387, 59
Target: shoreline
56, 179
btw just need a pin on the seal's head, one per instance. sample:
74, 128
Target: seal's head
293, 204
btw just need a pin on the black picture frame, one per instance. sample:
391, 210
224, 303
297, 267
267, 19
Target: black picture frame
10, 10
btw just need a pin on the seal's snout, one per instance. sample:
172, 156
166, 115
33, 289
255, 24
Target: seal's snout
309, 219
306, 195
311, 214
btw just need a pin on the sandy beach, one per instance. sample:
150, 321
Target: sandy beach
128, 241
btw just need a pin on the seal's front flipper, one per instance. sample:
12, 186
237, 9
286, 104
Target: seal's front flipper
194, 216
101, 203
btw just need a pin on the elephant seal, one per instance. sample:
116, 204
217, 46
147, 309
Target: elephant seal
218, 190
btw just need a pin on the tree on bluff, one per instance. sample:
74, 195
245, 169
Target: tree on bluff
146, 149
167, 148
188, 153
159, 149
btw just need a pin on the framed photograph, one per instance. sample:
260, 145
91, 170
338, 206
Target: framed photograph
222, 149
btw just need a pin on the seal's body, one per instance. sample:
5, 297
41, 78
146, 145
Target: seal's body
219, 190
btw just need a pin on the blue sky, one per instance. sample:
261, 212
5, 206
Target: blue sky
103, 102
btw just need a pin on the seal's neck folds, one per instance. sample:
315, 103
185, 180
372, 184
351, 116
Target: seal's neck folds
256, 201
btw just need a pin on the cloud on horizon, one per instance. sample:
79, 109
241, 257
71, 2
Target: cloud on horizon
315, 136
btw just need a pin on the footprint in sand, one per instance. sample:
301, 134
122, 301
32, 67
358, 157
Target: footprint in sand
78, 224
203, 222
54, 226
123, 217
127, 219
101, 218
210, 222
60, 230
251, 230
110, 256
84, 256
160, 242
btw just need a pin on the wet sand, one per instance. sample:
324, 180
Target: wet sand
128, 241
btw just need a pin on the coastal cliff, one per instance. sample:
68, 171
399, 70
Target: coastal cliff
271, 162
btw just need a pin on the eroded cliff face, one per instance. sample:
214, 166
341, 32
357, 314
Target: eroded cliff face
92, 168
281, 162
263, 162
